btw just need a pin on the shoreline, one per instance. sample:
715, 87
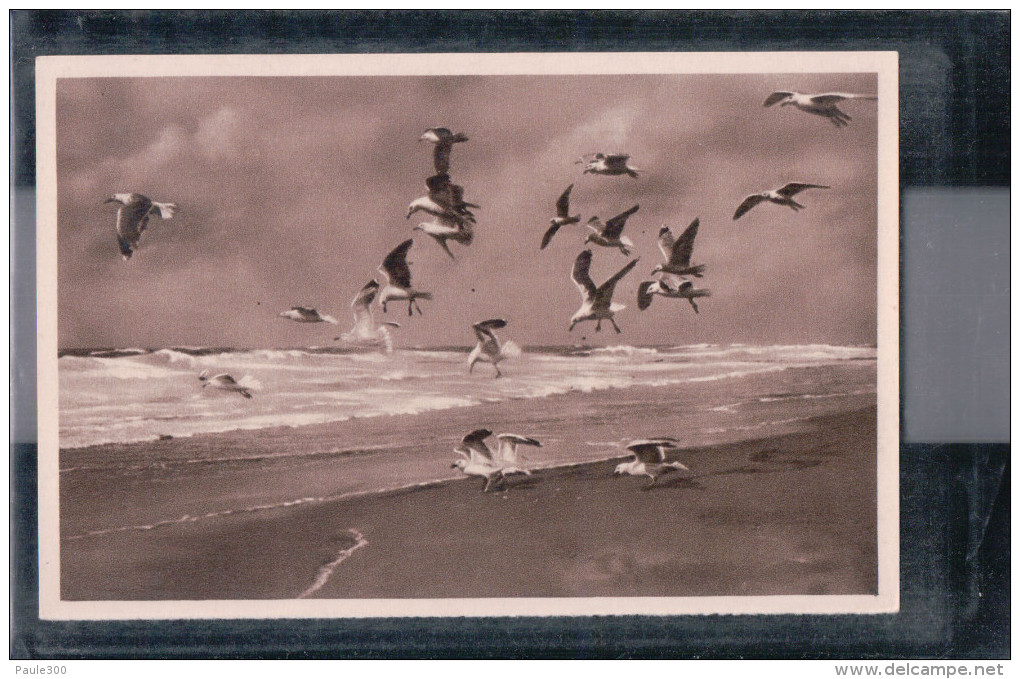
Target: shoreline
785, 514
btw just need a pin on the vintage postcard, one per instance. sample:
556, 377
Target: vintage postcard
468, 334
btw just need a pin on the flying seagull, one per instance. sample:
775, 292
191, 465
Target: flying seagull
133, 217
398, 279
669, 285
610, 234
444, 229
488, 349
222, 381
649, 459
445, 199
366, 332
783, 196
612, 164
444, 140
819, 104
478, 460
303, 314
596, 302
562, 218
678, 252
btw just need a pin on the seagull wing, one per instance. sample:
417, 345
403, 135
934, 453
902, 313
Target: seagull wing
484, 330
225, 378
666, 243
614, 227
507, 450
644, 297
776, 97
475, 442
563, 203
366, 295
829, 98
580, 275
396, 267
605, 291
649, 452
441, 156
616, 160
748, 203
548, 235
793, 188
681, 254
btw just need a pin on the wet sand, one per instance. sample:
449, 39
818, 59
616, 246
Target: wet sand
789, 514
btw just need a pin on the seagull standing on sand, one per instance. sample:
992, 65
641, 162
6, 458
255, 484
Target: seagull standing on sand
478, 460
444, 140
678, 252
443, 229
366, 332
649, 459
398, 280
783, 196
610, 234
612, 164
669, 285
223, 381
819, 104
488, 349
596, 302
133, 217
562, 218
303, 314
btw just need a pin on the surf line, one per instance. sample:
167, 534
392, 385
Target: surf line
326, 572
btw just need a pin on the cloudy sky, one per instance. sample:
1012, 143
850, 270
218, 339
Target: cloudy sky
291, 191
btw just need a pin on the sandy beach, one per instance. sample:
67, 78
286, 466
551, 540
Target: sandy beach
775, 514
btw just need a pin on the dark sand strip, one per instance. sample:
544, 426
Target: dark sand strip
791, 514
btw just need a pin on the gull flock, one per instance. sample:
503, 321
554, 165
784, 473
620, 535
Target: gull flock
451, 218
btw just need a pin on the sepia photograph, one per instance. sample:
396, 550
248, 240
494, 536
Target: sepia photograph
538, 334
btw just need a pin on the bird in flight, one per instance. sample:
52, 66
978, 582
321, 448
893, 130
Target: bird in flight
477, 459
562, 218
303, 314
783, 196
398, 280
648, 458
444, 199
443, 229
610, 234
133, 216
609, 165
819, 104
366, 331
444, 140
678, 252
224, 382
596, 302
669, 285
489, 349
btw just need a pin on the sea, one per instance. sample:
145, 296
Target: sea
139, 421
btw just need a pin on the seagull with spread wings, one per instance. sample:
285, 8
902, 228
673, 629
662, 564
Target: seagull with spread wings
398, 280
596, 302
366, 331
133, 217
489, 349
609, 165
783, 196
562, 218
678, 252
224, 382
819, 104
445, 200
669, 285
477, 459
444, 140
649, 459
610, 234
304, 314
443, 229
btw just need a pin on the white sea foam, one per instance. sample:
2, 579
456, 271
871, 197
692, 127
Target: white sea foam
327, 570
